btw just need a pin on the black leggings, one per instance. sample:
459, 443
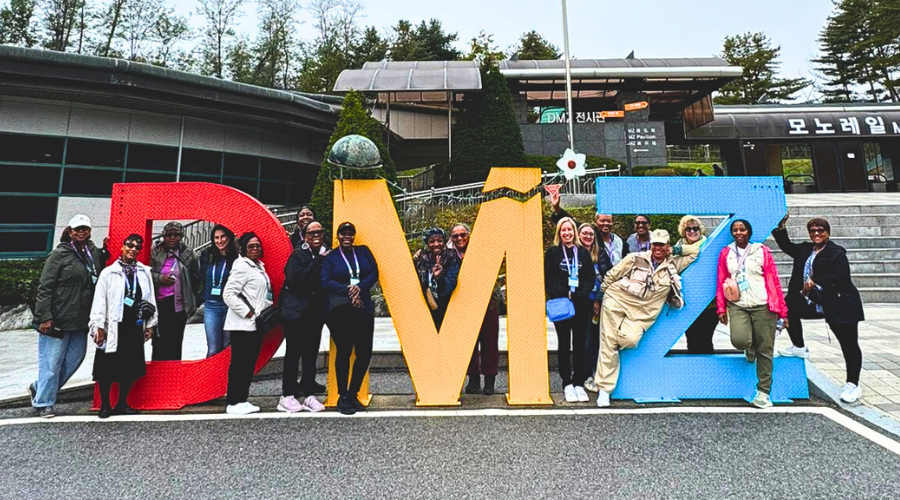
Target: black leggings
106, 386
573, 330
848, 336
245, 347
302, 339
352, 332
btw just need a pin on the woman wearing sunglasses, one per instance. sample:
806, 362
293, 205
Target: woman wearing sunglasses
820, 287
122, 319
699, 335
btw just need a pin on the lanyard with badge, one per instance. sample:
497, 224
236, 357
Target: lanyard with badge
354, 275
572, 269
216, 289
611, 248
269, 295
130, 290
88, 262
742, 282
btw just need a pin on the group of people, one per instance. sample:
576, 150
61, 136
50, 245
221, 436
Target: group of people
624, 285
616, 289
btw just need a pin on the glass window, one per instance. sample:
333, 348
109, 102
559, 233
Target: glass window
246, 185
276, 170
241, 165
199, 178
24, 241
273, 193
299, 193
131, 176
28, 209
152, 157
29, 179
89, 181
201, 161
95, 153
31, 148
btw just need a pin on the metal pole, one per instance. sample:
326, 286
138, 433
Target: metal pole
449, 126
180, 146
568, 76
389, 123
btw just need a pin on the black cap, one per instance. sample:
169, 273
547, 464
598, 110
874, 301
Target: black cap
346, 227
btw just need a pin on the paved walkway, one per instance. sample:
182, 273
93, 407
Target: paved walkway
880, 341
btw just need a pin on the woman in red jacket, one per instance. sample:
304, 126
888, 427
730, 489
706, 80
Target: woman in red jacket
754, 303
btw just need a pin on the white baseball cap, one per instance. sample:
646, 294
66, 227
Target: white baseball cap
79, 220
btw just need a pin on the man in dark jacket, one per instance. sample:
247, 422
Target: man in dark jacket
176, 278
62, 311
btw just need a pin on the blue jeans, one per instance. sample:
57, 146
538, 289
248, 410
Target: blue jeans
58, 359
214, 319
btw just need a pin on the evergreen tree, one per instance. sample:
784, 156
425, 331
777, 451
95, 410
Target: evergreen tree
486, 134
425, 42
533, 46
16, 26
371, 48
355, 119
754, 53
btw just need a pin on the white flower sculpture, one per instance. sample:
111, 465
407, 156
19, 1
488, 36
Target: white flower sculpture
571, 164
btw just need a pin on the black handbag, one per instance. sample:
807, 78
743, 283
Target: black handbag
266, 319
335, 301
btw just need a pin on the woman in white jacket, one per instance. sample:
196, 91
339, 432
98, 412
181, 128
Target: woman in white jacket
123, 315
247, 292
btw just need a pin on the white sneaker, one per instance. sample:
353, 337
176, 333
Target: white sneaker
795, 352
311, 403
251, 408
602, 399
289, 404
589, 385
582, 396
761, 400
571, 395
244, 408
851, 393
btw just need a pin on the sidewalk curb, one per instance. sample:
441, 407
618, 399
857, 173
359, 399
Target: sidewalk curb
824, 388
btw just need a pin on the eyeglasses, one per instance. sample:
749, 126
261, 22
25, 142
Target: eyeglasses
458, 236
173, 235
641, 223
254, 246
693, 229
819, 230
315, 233
133, 246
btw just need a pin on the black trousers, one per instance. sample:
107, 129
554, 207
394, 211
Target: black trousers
245, 347
169, 331
848, 336
352, 332
571, 335
302, 339
699, 335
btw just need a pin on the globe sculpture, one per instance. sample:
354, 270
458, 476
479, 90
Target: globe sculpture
356, 152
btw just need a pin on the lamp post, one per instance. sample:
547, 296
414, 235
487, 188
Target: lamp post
568, 54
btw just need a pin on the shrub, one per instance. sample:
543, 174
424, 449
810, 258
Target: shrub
19, 281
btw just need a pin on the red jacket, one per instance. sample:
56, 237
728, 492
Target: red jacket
770, 274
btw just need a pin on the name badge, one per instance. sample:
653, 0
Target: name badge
215, 291
128, 301
743, 284
354, 281
269, 296
93, 279
573, 282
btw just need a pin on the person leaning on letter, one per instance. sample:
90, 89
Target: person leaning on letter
634, 293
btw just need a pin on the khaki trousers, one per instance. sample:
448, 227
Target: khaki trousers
754, 328
618, 332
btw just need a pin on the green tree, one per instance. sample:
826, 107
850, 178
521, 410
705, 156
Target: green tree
754, 53
371, 48
139, 19
482, 49
168, 32
425, 42
219, 17
110, 19
532, 46
16, 25
60, 18
355, 119
485, 135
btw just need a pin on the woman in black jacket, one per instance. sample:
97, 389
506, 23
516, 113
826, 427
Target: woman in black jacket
438, 268
569, 272
820, 286
303, 316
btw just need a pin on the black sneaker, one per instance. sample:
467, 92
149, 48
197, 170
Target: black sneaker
357, 405
32, 391
105, 412
345, 405
46, 412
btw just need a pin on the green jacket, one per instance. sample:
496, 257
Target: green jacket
188, 273
66, 289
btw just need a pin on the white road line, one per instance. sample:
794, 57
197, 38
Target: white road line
830, 413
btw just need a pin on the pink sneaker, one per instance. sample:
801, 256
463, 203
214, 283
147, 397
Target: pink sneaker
289, 404
312, 404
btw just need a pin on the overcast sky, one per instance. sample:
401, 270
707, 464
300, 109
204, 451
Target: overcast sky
605, 29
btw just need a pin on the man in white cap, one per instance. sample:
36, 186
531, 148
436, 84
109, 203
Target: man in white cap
635, 291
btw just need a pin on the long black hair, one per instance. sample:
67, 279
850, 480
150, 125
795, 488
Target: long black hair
231, 251
245, 238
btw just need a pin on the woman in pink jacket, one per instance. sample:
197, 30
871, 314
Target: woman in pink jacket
750, 272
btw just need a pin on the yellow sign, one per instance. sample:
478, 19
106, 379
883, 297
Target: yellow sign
634, 106
437, 361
